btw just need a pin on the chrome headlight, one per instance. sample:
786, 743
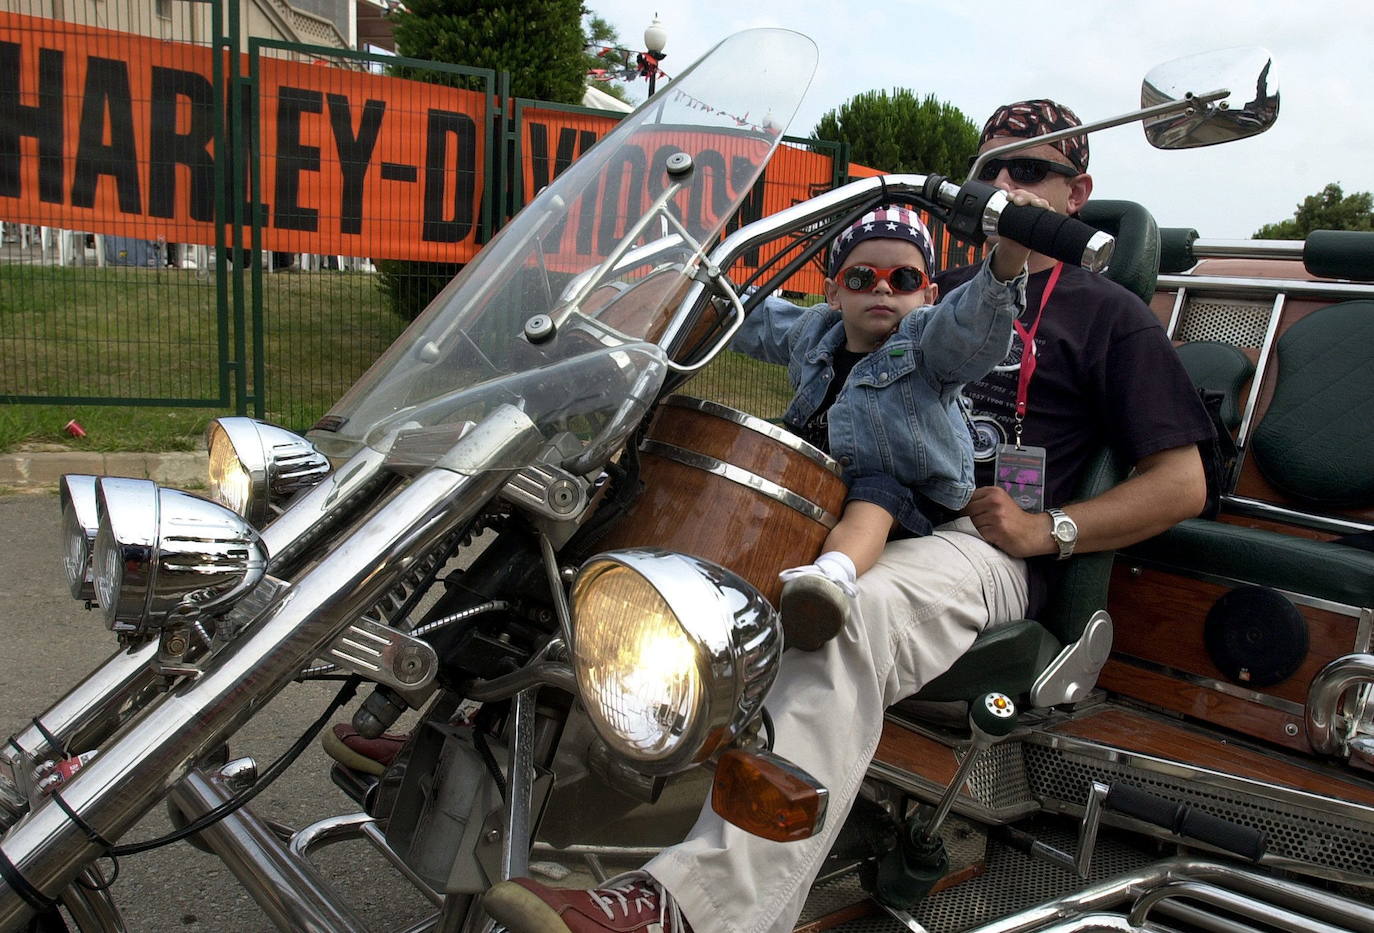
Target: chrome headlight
254, 465
162, 554
79, 524
673, 654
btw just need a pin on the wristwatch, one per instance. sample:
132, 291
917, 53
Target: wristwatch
1064, 532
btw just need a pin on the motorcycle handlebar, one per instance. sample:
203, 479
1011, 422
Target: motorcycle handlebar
1064, 238
980, 210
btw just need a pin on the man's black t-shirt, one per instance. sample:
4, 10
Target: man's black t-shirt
1105, 374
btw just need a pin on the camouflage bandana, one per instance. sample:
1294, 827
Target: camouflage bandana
1030, 118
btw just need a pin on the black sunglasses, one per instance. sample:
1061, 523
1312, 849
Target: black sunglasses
1023, 171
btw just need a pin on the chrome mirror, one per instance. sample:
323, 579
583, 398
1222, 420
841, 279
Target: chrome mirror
1251, 105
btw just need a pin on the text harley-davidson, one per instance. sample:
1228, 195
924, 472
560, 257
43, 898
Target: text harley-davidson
511, 525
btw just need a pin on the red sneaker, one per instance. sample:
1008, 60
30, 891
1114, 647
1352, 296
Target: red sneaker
630, 903
370, 756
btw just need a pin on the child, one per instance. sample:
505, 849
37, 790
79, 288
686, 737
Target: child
877, 386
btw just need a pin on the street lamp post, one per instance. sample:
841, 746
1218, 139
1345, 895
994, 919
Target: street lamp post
655, 38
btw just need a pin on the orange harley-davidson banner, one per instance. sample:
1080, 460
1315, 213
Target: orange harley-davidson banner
113, 133
551, 139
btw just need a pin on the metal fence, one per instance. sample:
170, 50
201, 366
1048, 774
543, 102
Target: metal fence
141, 270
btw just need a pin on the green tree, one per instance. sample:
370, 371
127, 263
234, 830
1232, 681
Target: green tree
900, 132
605, 53
1329, 209
539, 42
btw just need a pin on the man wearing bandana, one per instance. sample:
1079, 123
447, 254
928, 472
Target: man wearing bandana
1095, 345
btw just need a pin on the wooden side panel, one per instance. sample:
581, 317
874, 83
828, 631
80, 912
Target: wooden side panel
1159, 618
1147, 735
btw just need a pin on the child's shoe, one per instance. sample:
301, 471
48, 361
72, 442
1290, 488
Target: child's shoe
817, 601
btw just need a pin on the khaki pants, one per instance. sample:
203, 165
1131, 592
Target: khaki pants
920, 607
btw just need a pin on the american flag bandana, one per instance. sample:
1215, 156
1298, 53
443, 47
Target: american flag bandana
890, 223
1030, 118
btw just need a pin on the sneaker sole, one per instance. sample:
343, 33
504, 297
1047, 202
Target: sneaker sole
336, 749
520, 910
811, 613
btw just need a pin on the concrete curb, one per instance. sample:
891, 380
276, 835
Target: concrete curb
183, 469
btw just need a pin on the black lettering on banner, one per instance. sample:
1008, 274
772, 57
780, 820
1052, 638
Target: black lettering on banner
354, 155
107, 91
454, 228
294, 157
708, 180
539, 158
167, 148
751, 208
42, 122
618, 214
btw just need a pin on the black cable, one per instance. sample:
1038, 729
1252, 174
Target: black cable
479, 739
105, 883
767, 727
274, 771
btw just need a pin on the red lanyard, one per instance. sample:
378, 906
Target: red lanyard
1028, 351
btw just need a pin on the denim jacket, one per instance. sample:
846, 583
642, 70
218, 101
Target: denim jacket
899, 412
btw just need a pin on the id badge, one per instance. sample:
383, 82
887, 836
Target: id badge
1021, 472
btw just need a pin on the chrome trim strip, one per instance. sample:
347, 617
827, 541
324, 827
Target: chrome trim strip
1257, 288
1220, 686
1209, 248
964, 803
743, 477
1179, 770
1180, 299
1299, 598
1259, 509
1266, 356
758, 425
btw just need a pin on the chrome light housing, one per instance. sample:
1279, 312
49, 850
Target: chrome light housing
162, 555
79, 525
255, 465
673, 654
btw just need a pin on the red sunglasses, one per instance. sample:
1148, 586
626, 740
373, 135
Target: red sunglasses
903, 280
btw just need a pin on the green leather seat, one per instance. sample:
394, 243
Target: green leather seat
1313, 444
1219, 367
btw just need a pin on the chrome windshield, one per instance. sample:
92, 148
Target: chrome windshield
564, 313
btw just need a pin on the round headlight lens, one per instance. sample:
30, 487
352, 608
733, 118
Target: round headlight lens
231, 485
108, 573
637, 668
79, 523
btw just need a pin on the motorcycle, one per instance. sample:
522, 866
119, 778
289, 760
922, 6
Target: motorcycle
513, 525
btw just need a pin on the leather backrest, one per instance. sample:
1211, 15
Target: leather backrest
1314, 441
1135, 261
1220, 367
1083, 588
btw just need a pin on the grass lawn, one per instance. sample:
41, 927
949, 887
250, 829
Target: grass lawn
92, 333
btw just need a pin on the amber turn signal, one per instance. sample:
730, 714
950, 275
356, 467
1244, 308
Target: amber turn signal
768, 796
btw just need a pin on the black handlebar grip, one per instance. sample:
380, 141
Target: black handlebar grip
1058, 236
1176, 249
1183, 820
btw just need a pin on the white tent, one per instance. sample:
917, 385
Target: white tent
600, 100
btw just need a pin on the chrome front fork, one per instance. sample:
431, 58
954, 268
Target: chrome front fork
46, 849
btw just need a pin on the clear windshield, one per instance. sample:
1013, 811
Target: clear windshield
540, 319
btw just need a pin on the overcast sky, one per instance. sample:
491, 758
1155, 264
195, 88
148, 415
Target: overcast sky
1090, 55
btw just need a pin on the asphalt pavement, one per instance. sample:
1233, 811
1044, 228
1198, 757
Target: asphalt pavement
51, 642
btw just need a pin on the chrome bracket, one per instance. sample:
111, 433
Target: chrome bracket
386, 656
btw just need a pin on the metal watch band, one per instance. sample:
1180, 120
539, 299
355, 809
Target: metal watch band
1058, 516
